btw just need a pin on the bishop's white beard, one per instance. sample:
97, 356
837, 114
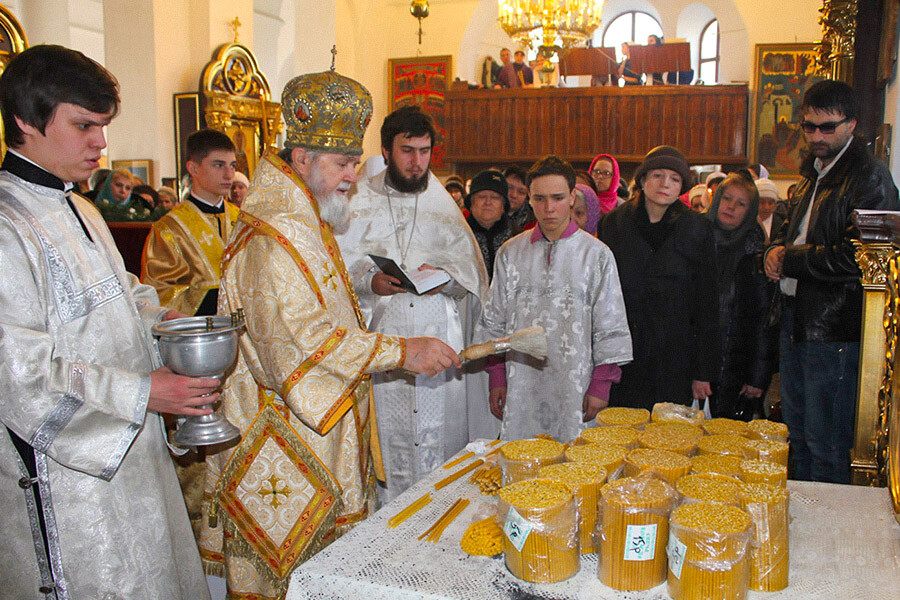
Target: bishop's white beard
334, 208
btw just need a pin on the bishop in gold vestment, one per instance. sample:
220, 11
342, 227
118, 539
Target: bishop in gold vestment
299, 393
303, 472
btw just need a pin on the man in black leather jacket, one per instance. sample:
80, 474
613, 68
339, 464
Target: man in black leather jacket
813, 260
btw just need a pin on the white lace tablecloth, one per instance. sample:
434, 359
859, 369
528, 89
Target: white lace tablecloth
845, 545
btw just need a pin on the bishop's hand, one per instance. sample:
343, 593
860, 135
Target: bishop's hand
429, 356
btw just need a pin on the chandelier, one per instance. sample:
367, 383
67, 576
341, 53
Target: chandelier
562, 23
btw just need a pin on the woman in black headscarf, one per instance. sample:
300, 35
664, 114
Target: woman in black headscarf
747, 341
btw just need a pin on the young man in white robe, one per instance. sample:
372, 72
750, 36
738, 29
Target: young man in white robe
89, 501
405, 214
565, 280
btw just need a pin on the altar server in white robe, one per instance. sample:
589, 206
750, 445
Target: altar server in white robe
405, 214
565, 280
90, 504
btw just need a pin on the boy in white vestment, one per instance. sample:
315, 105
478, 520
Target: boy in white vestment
565, 280
89, 501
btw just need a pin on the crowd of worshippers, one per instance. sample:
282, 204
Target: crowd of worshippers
345, 373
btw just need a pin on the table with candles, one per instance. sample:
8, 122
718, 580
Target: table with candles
844, 543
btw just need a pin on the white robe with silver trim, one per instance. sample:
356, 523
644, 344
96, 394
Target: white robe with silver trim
422, 421
75, 358
571, 288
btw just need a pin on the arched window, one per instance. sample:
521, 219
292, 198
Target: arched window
632, 26
709, 53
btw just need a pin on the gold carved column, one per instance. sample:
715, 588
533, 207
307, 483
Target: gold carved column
838, 20
876, 449
888, 443
875, 372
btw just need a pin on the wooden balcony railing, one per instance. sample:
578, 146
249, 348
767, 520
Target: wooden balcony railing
707, 123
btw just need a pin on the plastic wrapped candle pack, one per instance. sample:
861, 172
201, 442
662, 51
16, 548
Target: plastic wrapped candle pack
763, 429
681, 428
722, 426
707, 552
522, 459
727, 443
669, 412
769, 548
585, 479
632, 529
669, 465
763, 471
620, 415
709, 487
771, 450
618, 435
609, 457
540, 542
666, 438
722, 464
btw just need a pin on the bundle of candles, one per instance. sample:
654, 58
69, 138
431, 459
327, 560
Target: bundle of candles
541, 542
633, 529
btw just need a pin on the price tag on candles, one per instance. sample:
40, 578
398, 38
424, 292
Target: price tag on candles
517, 528
640, 542
675, 551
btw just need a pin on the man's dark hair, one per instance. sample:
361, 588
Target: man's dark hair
552, 165
203, 141
408, 121
41, 78
517, 172
518, 52
831, 96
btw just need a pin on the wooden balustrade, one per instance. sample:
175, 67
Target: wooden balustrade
707, 123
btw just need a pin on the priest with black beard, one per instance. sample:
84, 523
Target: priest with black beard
404, 213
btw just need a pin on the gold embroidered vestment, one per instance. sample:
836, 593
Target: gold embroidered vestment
183, 254
300, 393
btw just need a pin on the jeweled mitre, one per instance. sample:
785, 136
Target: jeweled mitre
326, 112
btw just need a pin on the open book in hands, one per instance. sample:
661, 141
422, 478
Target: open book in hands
414, 282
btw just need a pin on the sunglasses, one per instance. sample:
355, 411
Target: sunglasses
603, 174
826, 128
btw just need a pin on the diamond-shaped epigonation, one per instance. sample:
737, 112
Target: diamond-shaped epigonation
274, 498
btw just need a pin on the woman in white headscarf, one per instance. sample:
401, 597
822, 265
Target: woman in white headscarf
239, 186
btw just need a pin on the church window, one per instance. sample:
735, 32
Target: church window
709, 53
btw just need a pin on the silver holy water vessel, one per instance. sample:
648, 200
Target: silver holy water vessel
201, 347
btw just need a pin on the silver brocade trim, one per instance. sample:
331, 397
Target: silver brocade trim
40, 553
70, 303
55, 548
60, 416
140, 414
